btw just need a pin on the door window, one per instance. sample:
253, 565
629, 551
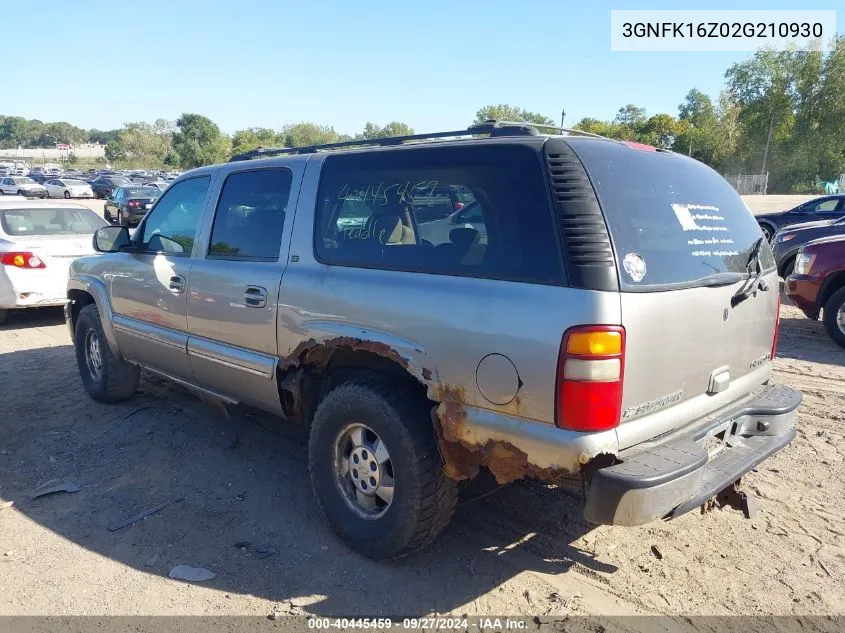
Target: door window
171, 227
251, 215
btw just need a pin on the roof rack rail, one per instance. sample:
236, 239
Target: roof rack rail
492, 127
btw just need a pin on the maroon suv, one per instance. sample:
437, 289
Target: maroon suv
818, 283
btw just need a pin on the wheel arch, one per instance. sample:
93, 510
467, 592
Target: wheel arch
84, 290
833, 283
318, 364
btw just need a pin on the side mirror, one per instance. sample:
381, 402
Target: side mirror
111, 239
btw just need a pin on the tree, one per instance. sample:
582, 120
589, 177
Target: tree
660, 131
251, 138
504, 112
698, 109
305, 134
145, 142
631, 115
199, 141
394, 128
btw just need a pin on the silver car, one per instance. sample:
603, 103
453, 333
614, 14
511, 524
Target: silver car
596, 313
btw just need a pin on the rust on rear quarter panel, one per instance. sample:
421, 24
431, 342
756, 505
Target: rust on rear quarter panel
463, 459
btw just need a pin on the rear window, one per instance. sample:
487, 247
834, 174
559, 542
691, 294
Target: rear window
142, 192
58, 221
672, 220
478, 211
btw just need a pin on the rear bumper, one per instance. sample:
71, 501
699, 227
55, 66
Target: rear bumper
803, 291
676, 474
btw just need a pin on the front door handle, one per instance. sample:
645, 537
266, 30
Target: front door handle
255, 297
177, 284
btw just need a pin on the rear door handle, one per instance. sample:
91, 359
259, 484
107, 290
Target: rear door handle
177, 284
255, 297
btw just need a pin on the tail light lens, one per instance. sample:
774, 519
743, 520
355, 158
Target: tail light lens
22, 259
133, 203
590, 371
458, 205
777, 329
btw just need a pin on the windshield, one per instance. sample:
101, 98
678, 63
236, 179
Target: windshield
673, 221
142, 192
24, 181
76, 183
49, 221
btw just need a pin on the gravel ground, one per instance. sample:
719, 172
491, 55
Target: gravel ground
519, 550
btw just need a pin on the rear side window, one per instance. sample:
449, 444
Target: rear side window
672, 220
250, 215
478, 210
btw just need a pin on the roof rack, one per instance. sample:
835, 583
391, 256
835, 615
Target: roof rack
492, 127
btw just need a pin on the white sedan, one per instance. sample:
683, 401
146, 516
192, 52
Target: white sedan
68, 188
38, 242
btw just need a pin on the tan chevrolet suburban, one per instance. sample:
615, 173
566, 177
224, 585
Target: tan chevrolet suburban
587, 310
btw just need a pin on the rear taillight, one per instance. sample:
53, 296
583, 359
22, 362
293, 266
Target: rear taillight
133, 203
458, 205
22, 260
777, 327
590, 370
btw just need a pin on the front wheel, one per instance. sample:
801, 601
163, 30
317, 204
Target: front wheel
105, 376
376, 470
67, 195
4, 314
834, 316
768, 232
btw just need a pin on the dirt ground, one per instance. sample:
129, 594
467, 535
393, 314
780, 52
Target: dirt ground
248, 514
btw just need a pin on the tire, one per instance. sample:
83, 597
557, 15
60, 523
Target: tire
67, 195
834, 316
113, 379
4, 315
21, 193
768, 232
424, 497
119, 217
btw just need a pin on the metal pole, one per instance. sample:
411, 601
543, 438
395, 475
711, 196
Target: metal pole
562, 115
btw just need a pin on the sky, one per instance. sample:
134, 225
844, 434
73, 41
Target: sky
431, 64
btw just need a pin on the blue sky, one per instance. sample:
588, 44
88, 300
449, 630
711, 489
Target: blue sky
432, 64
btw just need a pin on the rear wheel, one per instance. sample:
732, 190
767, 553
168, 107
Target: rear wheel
376, 469
105, 376
4, 314
834, 316
120, 217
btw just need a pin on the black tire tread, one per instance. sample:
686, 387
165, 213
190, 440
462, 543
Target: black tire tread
121, 378
831, 307
437, 492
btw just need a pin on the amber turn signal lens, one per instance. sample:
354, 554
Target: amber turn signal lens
594, 343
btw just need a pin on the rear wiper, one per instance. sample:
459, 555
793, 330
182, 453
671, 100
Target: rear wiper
755, 276
721, 279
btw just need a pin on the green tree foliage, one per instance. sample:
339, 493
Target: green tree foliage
254, 137
305, 134
146, 143
504, 112
199, 141
394, 128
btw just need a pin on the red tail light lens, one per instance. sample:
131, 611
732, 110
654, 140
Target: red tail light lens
133, 203
590, 373
22, 259
459, 205
777, 329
